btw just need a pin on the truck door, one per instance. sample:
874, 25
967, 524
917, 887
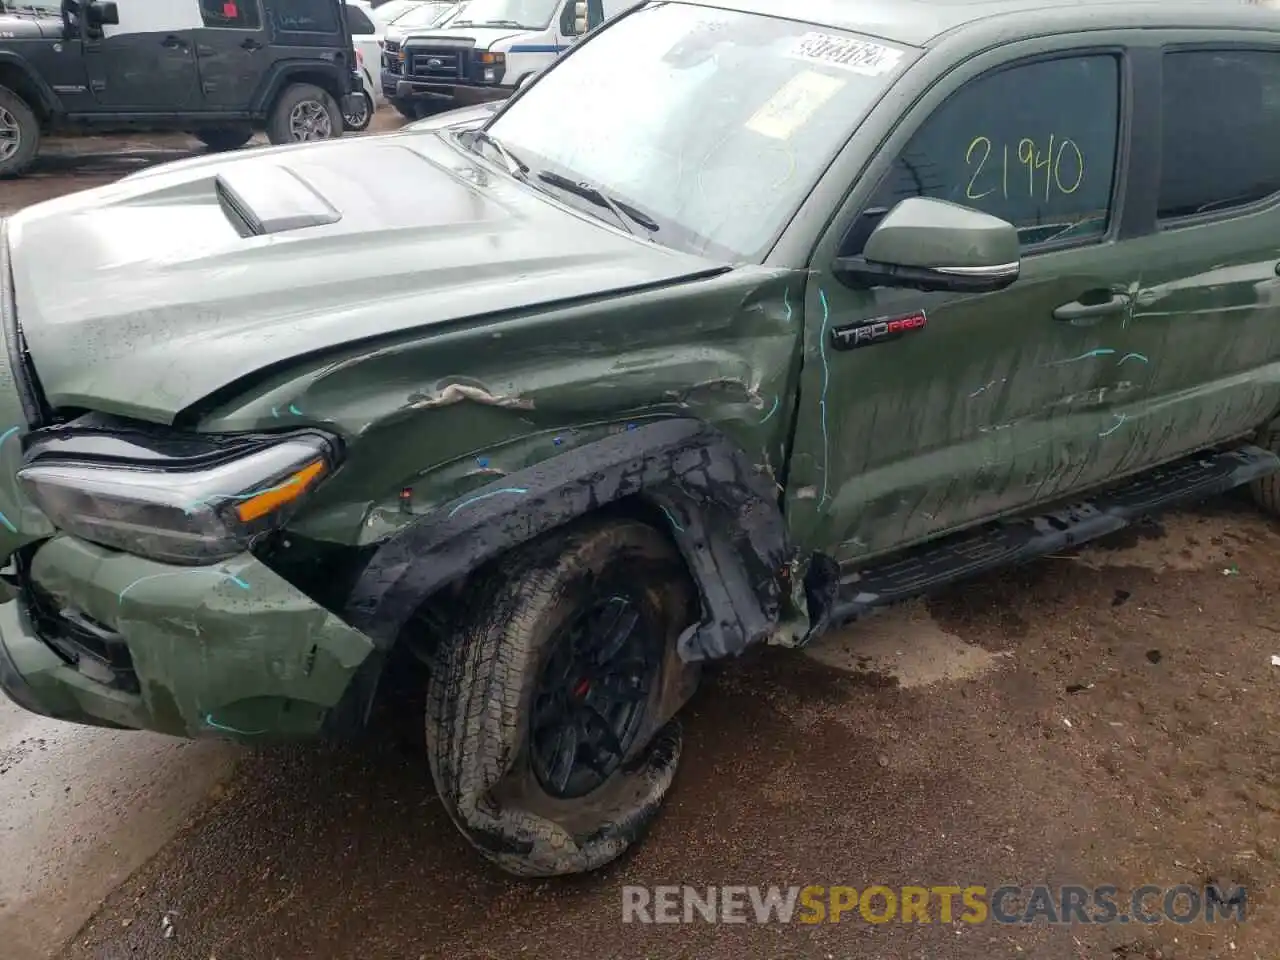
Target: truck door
978, 405
146, 63
231, 52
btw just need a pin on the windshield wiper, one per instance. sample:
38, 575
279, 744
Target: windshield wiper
501, 23
515, 166
625, 213
463, 23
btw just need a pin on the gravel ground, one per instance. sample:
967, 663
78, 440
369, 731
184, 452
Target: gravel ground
1105, 717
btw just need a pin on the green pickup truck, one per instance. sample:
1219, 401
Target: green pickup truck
729, 328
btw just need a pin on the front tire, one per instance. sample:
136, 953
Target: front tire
219, 139
19, 134
303, 112
549, 717
1266, 490
361, 120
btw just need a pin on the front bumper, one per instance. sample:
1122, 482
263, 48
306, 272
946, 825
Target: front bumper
231, 651
446, 96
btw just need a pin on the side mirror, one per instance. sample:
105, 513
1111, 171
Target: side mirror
99, 13
581, 21
932, 244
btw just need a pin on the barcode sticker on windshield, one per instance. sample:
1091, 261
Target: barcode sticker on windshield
858, 56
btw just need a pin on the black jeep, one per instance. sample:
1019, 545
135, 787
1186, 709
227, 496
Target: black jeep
218, 69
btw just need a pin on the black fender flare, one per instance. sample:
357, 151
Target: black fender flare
284, 72
49, 100
724, 517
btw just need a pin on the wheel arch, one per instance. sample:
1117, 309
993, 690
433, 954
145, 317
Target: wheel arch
18, 76
722, 513
327, 75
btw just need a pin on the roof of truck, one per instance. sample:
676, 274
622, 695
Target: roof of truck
919, 23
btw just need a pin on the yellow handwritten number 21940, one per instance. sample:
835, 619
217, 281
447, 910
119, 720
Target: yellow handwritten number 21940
1028, 154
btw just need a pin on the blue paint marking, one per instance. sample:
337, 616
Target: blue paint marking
210, 722
182, 573
1132, 356
986, 387
275, 413
786, 302
674, 522
483, 461
7, 434
1100, 352
1120, 419
536, 48
486, 496
294, 410
8, 524
557, 441
826, 379
777, 401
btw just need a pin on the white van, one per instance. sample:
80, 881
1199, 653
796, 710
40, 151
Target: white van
486, 51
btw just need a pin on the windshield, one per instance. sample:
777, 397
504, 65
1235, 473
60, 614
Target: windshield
715, 124
448, 13
530, 14
393, 9
422, 15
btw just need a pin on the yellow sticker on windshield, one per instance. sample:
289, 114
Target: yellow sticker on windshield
795, 102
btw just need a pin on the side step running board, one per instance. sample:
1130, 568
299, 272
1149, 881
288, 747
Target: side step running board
1019, 539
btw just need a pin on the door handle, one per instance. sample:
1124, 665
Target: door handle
174, 43
1077, 310
250, 44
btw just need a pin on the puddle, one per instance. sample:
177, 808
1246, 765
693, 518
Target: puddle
906, 644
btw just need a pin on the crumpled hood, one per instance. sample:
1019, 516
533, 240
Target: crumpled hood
145, 296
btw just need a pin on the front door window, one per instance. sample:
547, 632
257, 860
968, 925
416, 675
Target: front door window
1034, 144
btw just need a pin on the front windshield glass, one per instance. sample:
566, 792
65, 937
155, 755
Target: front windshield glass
423, 15
530, 14
449, 13
715, 124
388, 12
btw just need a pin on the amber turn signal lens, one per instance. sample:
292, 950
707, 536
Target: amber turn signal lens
260, 505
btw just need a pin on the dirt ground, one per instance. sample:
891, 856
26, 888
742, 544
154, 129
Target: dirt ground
1103, 717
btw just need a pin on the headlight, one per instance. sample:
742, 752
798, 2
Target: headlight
191, 516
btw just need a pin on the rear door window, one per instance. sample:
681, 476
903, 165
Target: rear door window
1220, 132
306, 16
231, 14
1034, 144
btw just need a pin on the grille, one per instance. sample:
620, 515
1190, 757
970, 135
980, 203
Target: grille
94, 649
390, 60
437, 65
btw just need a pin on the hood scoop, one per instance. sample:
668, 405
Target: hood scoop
267, 199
